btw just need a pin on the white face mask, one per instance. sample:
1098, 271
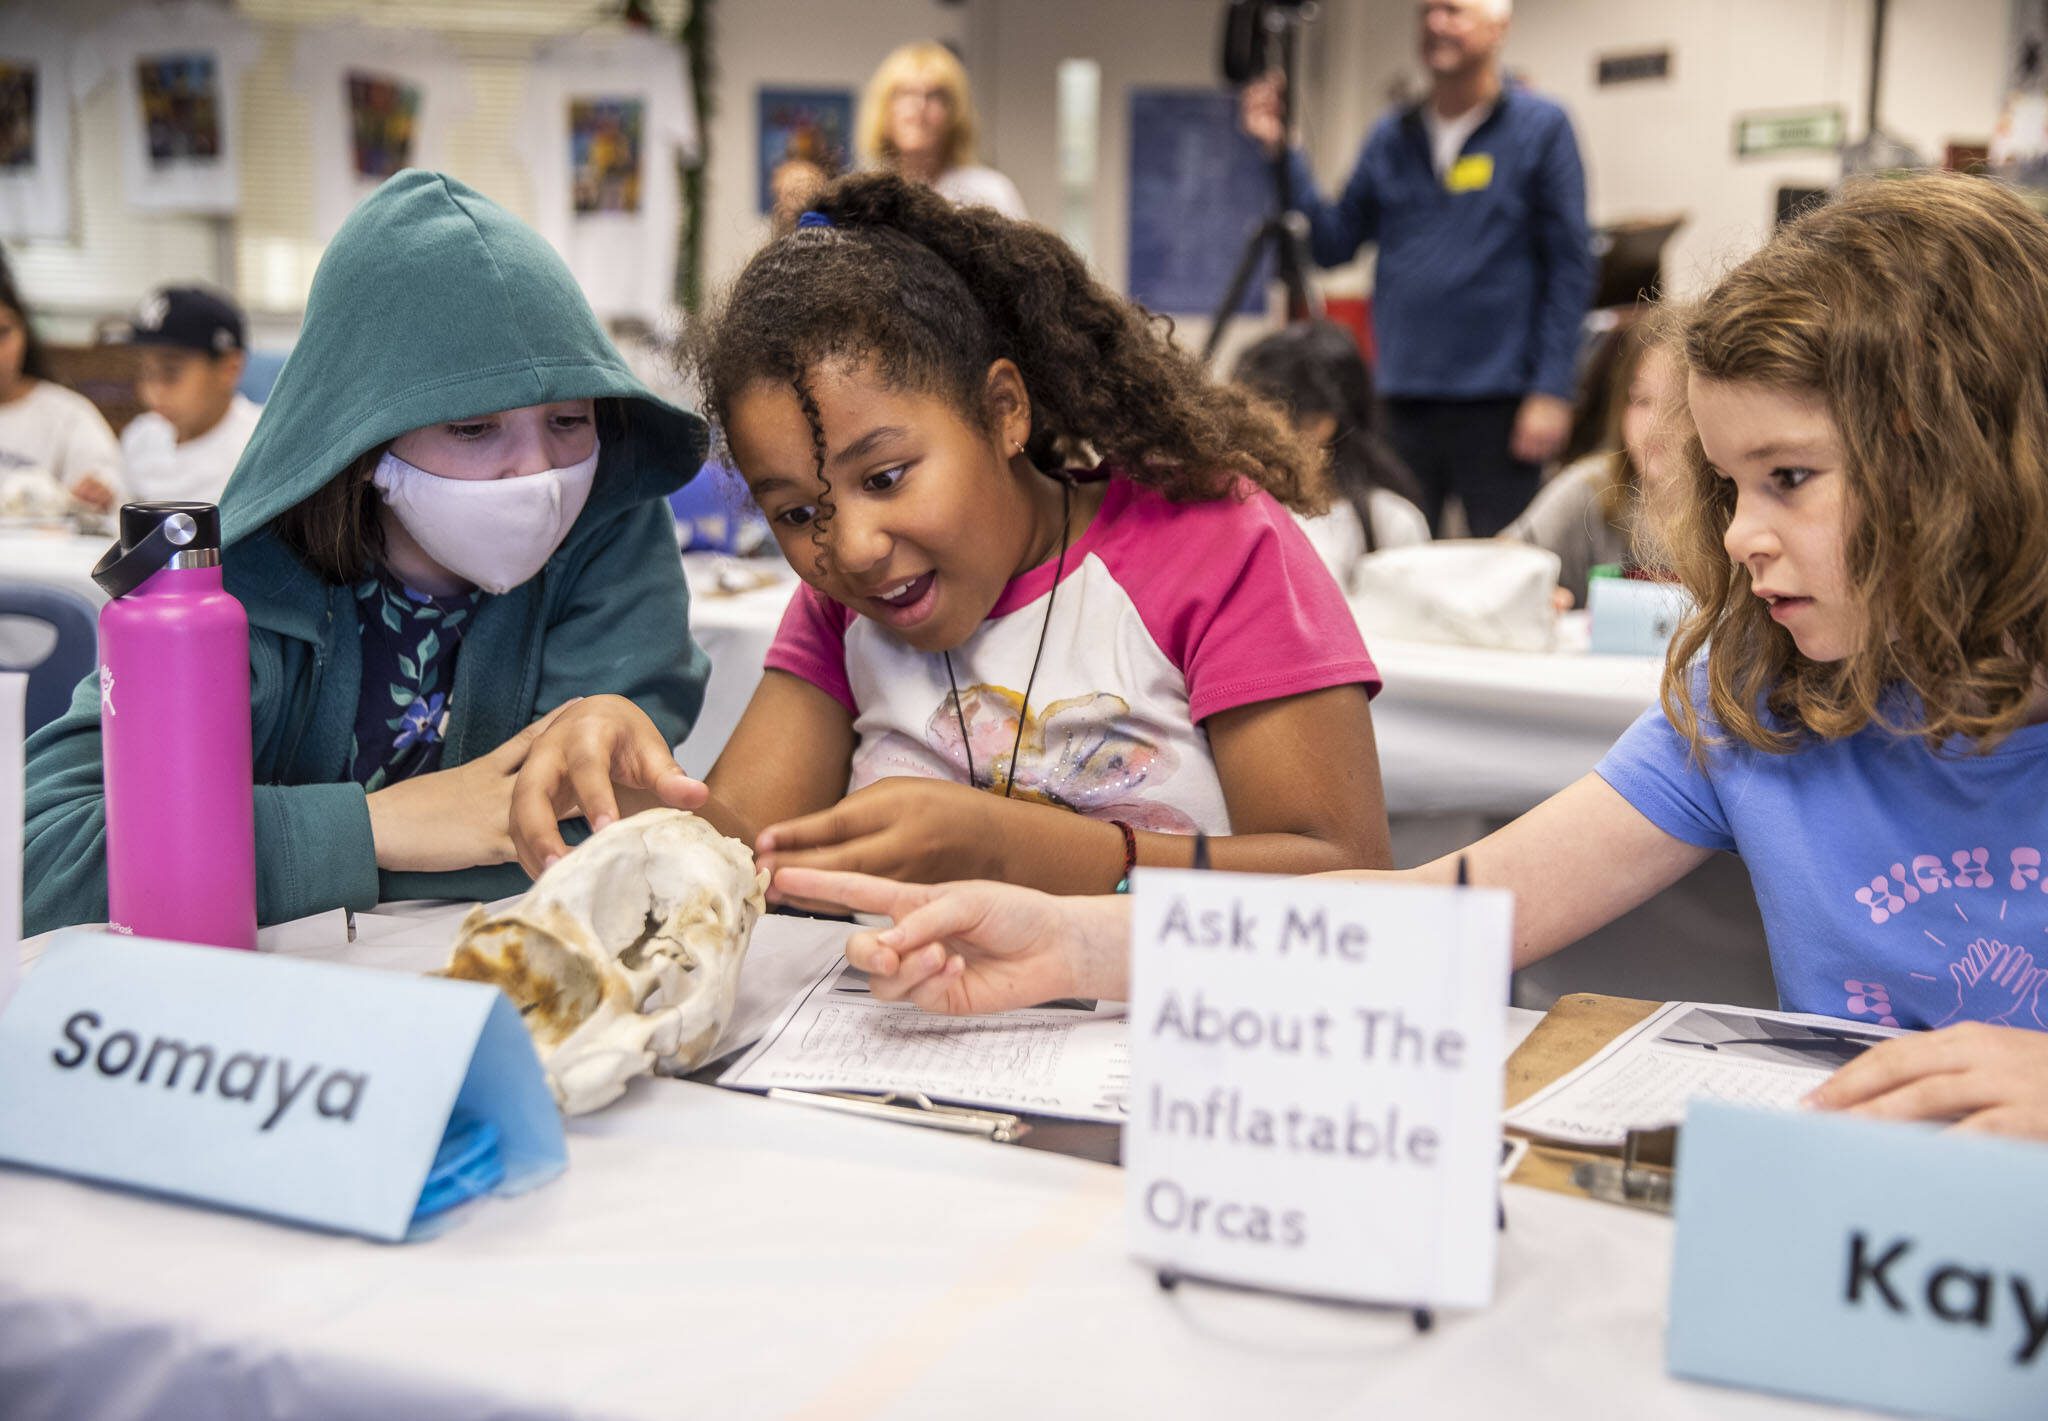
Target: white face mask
496, 533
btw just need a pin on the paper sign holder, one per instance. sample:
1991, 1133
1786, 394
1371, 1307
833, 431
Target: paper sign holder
1422, 1318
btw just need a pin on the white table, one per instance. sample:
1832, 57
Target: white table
712, 1254
1460, 730
55, 559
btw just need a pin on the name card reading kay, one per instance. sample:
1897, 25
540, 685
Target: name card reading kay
1880, 1264
305, 1091
1316, 1084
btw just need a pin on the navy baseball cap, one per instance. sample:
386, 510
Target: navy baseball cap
188, 318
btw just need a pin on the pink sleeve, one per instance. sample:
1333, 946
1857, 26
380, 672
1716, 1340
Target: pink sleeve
811, 644
1236, 597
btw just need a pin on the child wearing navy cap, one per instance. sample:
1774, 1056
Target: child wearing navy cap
196, 423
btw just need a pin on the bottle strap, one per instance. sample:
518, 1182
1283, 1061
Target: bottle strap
121, 570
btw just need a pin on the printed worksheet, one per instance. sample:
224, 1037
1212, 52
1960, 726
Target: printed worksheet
1690, 1051
1069, 1059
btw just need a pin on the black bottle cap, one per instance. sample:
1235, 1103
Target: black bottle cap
151, 535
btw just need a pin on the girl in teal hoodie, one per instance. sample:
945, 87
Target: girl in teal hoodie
450, 522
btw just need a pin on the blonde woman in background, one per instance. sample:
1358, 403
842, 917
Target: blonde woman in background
1588, 514
917, 120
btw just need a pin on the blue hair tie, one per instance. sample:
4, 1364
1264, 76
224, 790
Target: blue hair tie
814, 218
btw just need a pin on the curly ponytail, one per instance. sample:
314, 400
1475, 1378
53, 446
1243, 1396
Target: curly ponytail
933, 294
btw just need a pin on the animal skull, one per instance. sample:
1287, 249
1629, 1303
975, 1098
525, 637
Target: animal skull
625, 955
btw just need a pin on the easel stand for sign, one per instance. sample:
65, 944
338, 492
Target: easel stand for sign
1423, 1318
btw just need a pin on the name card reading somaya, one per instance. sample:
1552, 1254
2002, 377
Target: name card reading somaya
1884, 1265
1316, 1076
305, 1091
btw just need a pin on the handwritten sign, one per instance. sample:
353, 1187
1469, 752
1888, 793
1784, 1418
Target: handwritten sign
1860, 1261
306, 1091
1316, 1073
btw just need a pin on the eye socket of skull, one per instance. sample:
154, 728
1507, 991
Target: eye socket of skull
554, 988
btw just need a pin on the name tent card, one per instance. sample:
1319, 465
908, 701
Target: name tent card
1316, 1084
1883, 1265
305, 1091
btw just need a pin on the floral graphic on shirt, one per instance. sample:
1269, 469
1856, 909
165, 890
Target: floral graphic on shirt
1959, 903
1086, 753
410, 639
423, 722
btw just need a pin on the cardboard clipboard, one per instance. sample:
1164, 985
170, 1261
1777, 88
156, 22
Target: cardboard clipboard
1571, 1034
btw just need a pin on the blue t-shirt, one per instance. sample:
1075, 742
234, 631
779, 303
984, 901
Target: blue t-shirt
1898, 885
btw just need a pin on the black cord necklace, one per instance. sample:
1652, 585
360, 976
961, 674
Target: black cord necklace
1024, 710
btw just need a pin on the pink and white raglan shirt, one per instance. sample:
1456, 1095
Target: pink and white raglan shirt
1167, 613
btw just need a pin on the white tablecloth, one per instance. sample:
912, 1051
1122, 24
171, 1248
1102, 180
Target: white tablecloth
55, 559
1460, 730
718, 1255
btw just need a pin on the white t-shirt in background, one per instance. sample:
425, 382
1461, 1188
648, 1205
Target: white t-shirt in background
608, 120
178, 70
60, 431
1447, 135
1339, 538
408, 88
35, 165
159, 467
974, 186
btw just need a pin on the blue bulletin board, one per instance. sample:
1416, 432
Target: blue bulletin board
1199, 189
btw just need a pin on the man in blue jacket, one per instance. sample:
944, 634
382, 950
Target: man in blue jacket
1477, 201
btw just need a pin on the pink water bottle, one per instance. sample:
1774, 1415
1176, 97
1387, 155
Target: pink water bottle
174, 731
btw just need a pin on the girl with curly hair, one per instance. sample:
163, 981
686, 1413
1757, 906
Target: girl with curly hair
1055, 616
1858, 706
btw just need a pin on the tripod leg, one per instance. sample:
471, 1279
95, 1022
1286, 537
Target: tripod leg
1303, 301
1254, 248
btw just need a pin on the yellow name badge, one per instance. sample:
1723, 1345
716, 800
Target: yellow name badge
1470, 173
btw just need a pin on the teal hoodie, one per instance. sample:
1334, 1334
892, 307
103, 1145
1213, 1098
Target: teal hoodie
432, 304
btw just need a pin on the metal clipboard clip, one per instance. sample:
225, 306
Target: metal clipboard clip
1642, 1177
913, 1107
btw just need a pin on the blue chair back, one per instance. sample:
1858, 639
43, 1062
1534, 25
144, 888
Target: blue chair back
259, 373
76, 622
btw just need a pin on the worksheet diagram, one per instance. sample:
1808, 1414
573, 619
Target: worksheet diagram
1689, 1051
1069, 1059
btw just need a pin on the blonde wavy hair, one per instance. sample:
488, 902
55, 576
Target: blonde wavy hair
923, 61
1916, 310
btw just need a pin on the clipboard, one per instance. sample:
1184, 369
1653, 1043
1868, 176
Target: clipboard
1082, 1139
1570, 1034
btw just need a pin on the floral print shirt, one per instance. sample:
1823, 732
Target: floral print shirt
409, 644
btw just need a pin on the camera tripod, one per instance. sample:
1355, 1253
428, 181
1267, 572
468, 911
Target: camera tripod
1252, 28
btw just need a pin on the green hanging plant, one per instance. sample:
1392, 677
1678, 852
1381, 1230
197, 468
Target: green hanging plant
695, 36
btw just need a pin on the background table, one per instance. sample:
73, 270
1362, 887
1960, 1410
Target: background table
720, 1255
1468, 739
1460, 730
54, 559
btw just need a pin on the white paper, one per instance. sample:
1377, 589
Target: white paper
1317, 1084
1691, 1051
1071, 1061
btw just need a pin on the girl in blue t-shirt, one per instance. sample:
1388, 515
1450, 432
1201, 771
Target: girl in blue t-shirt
1859, 706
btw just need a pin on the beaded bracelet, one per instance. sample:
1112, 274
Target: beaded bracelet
1123, 884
